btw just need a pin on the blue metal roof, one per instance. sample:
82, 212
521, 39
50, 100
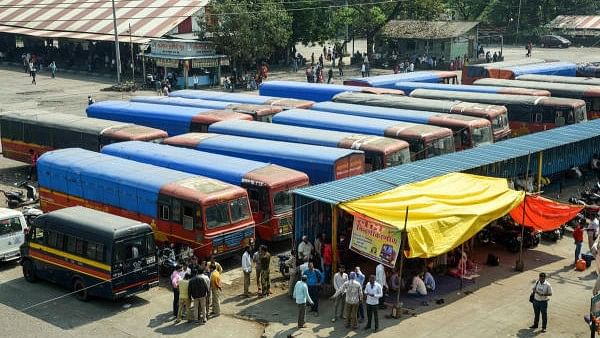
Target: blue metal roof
388, 81
303, 90
337, 122
470, 160
180, 101
548, 68
278, 132
174, 120
225, 168
408, 87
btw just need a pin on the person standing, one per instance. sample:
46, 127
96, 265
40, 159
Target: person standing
175, 279
184, 299
360, 278
53, 69
33, 73
218, 266
341, 67
198, 291
592, 231
205, 276
313, 279
373, 292
291, 264
256, 260
363, 69
542, 290
529, 48
247, 269
33, 155
327, 260
215, 286
304, 248
339, 279
302, 297
329, 75
265, 265
578, 238
380, 278
353, 293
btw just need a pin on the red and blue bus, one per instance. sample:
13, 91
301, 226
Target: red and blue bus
526, 114
388, 81
209, 216
548, 68
45, 131
469, 132
496, 114
321, 164
268, 185
380, 152
262, 113
174, 120
477, 71
316, 92
588, 93
242, 98
408, 87
424, 140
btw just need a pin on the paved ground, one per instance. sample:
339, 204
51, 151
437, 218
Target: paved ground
496, 305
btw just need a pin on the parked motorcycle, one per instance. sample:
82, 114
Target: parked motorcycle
166, 261
508, 234
31, 213
16, 198
283, 268
555, 234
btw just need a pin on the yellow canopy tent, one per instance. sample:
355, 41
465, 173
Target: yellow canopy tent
443, 212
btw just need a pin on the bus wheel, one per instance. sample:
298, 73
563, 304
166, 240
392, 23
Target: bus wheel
80, 290
29, 271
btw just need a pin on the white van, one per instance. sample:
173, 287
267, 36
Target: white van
12, 234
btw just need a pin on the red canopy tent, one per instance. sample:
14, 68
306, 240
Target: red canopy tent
544, 214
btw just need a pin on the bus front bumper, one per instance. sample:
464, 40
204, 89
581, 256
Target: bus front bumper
135, 288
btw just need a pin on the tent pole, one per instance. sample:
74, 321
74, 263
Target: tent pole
334, 243
520, 265
397, 309
539, 173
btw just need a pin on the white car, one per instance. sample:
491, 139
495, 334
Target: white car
12, 234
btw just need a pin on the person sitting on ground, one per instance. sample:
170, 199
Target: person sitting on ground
429, 281
418, 287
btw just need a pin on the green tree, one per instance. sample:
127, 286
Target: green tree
247, 30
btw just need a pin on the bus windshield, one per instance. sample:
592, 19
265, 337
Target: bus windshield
397, 158
218, 215
580, 114
282, 202
481, 136
441, 146
500, 122
135, 247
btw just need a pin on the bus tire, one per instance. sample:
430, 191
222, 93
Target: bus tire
80, 290
29, 271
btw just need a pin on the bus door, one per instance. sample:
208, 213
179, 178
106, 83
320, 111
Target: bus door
260, 208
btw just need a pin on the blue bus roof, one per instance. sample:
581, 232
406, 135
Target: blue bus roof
225, 168
306, 91
107, 179
269, 131
338, 122
549, 68
388, 81
180, 101
220, 96
408, 87
405, 115
174, 120
316, 161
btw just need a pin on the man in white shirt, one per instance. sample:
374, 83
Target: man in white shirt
247, 269
373, 292
338, 281
592, 231
304, 248
380, 278
353, 294
418, 287
542, 290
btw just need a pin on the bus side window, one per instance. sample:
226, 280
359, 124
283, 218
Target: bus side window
176, 210
538, 118
164, 211
70, 247
37, 235
188, 218
254, 197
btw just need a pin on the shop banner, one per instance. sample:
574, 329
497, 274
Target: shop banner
375, 240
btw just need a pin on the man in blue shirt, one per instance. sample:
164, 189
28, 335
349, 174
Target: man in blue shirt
313, 279
302, 297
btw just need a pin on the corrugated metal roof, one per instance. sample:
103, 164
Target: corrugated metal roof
591, 22
414, 29
386, 179
93, 20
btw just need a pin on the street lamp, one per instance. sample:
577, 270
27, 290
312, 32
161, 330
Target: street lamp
132, 61
117, 51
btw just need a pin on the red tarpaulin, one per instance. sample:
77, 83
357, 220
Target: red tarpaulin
544, 214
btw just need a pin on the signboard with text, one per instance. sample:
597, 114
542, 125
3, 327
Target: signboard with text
182, 48
375, 240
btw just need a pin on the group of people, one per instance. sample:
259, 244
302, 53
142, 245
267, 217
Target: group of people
32, 65
196, 287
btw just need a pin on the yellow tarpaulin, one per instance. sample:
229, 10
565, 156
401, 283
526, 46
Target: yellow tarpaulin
443, 212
